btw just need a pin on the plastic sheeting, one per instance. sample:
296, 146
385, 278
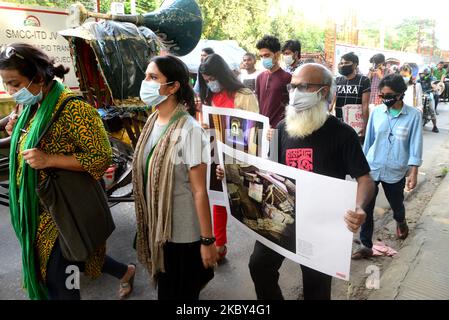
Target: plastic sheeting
122, 51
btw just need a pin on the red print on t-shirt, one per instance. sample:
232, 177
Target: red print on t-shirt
300, 158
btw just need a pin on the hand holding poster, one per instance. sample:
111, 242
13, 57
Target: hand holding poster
282, 207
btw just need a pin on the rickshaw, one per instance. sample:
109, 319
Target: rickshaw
110, 57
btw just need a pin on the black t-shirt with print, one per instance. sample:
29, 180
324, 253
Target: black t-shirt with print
333, 150
350, 91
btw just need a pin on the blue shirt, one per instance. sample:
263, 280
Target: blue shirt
392, 144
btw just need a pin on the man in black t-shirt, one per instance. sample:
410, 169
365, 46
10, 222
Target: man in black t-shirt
352, 89
311, 139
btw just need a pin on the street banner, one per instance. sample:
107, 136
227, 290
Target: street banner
39, 27
240, 129
297, 213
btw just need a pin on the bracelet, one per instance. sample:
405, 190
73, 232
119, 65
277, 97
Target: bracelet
207, 241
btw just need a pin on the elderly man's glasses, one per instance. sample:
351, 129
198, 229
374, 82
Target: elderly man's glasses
9, 52
302, 87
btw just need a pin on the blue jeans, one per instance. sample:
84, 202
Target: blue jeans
395, 196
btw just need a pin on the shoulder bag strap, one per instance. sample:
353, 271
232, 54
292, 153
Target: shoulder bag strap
55, 117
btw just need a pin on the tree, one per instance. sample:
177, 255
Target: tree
142, 6
247, 21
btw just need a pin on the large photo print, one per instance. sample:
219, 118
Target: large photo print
242, 130
298, 214
263, 201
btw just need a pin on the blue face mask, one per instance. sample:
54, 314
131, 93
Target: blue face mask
214, 86
25, 97
267, 63
149, 93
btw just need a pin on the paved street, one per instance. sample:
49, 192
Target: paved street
232, 280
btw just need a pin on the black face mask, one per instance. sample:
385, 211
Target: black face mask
390, 100
345, 70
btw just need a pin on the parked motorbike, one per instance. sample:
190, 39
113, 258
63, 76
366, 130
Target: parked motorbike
426, 101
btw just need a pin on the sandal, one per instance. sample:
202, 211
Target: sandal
126, 288
362, 253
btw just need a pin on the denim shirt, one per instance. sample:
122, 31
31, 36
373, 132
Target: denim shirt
392, 144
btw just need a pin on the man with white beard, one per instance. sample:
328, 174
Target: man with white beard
311, 139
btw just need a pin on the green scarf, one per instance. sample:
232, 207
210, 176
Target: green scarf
24, 203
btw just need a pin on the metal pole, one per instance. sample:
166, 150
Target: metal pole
98, 5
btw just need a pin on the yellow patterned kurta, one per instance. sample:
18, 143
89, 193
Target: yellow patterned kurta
79, 131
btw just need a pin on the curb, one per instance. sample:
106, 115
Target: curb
411, 253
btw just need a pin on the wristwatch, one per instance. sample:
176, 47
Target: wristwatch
207, 241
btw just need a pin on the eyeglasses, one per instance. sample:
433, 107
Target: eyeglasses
302, 87
9, 52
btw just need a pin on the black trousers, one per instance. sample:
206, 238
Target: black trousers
394, 192
185, 275
264, 267
57, 276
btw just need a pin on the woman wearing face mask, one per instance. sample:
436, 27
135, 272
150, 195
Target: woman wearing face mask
77, 141
174, 231
219, 87
393, 148
413, 95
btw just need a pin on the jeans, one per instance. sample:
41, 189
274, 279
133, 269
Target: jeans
57, 276
264, 267
395, 196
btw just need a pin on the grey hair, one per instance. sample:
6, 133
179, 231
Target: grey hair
328, 79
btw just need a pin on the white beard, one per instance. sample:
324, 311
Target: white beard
303, 123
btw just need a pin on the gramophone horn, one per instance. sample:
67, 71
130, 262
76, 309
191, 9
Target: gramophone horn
178, 23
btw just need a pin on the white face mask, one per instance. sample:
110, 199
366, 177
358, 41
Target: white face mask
149, 93
288, 60
406, 79
214, 86
304, 100
25, 97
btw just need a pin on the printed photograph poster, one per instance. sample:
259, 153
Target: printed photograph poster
323, 241
262, 201
283, 208
243, 130
353, 115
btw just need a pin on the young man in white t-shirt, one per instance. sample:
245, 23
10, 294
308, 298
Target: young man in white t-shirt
249, 73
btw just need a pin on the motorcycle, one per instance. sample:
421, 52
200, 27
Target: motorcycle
426, 101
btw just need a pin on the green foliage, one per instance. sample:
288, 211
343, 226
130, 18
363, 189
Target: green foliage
247, 21
402, 37
142, 6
